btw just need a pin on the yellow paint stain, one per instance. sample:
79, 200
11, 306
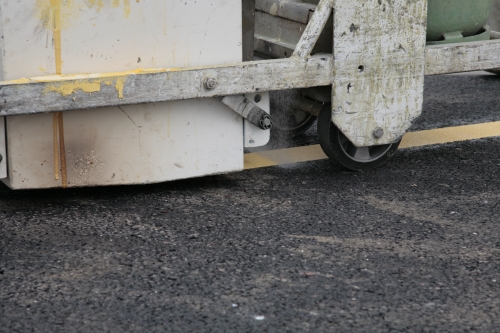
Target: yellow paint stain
59, 79
283, 156
68, 88
41, 69
66, 12
55, 141
120, 83
100, 4
126, 8
21, 81
56, 15
87, 86
58, 51
450, 134
55, 11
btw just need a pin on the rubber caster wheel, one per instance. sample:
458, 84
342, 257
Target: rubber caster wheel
341, 151
288, 121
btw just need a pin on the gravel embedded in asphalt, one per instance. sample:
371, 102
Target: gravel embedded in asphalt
410, 247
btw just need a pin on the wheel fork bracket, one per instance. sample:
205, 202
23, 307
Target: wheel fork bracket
378, 70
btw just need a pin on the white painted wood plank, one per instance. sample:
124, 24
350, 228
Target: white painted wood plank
314, 28
462, 57
379, 63
92, 91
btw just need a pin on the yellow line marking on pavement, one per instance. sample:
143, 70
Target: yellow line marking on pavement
450, 134
410, 140
283, 156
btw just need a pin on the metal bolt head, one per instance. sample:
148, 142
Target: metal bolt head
378, 133
266, 122
210, 83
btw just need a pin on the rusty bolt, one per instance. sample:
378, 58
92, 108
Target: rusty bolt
378, 133
210, 83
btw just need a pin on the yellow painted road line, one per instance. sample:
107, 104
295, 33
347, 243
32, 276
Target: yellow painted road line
410, 140
283, 156
450, 134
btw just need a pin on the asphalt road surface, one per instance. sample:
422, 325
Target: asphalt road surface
411, 247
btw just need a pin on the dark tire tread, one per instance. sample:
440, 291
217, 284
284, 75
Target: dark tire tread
328, 138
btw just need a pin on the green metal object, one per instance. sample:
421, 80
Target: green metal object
457, 21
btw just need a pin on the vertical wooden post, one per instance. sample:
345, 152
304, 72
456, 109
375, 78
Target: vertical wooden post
248, 12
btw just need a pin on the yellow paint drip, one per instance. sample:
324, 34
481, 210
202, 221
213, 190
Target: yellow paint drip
87, 86
126, 8
55, 10
97, 4
58, 14
120, 83
58, 51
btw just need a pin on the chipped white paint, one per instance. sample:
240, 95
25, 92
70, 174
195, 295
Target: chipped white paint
462, 57
314, 28
379, 49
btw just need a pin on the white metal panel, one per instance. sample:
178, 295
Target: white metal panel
3, 150
134, 144
107, 36
254, 136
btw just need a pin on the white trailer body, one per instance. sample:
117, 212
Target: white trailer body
129, 144
187, 53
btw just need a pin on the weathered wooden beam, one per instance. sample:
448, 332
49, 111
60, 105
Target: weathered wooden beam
462, 57
314, 28
58, 93
248, 31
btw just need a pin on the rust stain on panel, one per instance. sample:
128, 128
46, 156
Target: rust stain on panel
55, 140
62, 148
